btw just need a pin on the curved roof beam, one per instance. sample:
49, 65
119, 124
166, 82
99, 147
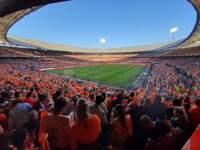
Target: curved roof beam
9, 20
194, 38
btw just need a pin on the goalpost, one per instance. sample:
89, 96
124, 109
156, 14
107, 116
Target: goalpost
69, 72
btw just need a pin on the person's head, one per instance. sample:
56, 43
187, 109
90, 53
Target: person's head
57, 94
176, 102
129, 101
147, 102
197, 102
119, 96
119, 109
132, 105
4, 141
4, 96
187, 99
17, 94
186, 106
157, 99
43, 98
60, 105
99, 99
167, 99
82, 110
33, 115
29, 94
132, 94
104, 95
74, 100
180, 113
92, 97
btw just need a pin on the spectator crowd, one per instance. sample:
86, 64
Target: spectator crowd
40, 111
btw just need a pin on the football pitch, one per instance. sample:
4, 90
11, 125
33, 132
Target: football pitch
121, 75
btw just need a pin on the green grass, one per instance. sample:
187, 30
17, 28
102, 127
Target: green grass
121, 75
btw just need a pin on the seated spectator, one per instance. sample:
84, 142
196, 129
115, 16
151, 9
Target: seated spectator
86, 131
97, 110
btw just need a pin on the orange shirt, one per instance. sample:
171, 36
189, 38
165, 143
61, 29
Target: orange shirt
122, 133
58, 129
30, 100
86, 134
108, 102
195, 113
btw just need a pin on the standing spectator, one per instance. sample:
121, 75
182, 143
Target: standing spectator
58, 126
18, 115
157, 109
122, 125
195, 113
97, 110
29, 99
86, 131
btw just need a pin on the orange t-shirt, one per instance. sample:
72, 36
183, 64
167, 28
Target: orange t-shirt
30, 100
86, 132
58, 129
195, 113
122, 133
108, 103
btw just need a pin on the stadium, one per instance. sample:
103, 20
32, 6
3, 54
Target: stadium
61, 97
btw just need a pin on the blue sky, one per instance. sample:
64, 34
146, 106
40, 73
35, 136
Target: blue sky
121, 22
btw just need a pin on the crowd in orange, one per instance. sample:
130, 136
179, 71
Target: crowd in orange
48, 112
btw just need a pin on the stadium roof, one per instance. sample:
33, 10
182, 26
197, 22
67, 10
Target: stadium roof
12, 11
76, 49
194, 38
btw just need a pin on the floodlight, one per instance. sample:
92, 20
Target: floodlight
103, 41
173, 31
